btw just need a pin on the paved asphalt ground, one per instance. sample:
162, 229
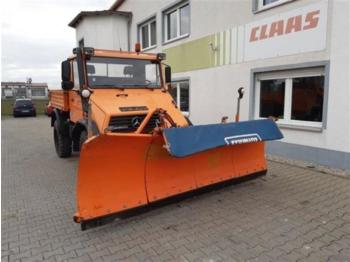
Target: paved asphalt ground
292, 214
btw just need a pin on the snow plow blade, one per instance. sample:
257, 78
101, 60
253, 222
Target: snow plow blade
118, 172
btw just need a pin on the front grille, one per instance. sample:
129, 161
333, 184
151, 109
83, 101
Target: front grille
151, 124
125, 124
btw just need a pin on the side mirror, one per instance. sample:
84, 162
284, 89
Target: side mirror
67, 84
129, 70
90, 69
167, 74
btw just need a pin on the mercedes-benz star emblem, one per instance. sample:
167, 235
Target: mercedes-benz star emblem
135, 121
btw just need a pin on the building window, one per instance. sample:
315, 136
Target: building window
295, 97
272, 98
148, 34
266, 4
9, 91
177, 22
180, 91
307, 98
40, 92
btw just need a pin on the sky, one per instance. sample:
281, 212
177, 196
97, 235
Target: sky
35, 37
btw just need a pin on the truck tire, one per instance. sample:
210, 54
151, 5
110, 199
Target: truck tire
63, 143
82, 138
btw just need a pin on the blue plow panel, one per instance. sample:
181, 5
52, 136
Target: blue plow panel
185, 141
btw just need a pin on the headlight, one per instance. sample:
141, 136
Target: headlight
85, 93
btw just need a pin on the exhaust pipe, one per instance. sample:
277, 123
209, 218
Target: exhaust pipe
240, 96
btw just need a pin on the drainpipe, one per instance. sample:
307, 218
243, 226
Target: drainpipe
129, 33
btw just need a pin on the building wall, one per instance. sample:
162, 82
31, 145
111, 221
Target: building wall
207, 17
339, 91
104, 32
214, 79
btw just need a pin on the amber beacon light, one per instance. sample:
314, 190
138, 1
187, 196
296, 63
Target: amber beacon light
137, 47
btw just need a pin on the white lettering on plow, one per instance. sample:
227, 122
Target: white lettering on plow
242, 139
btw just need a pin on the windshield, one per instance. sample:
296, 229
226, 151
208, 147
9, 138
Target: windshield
23, 103
121, 72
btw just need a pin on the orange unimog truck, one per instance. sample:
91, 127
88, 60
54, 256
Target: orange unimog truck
136, 147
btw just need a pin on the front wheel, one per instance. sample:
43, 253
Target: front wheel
63, 143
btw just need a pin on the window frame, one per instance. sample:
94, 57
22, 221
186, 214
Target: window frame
120, 81
176, 7
178, 92
259, 5
75, 74
147, 23
288, 76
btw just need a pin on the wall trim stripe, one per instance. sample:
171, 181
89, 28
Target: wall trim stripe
321, 156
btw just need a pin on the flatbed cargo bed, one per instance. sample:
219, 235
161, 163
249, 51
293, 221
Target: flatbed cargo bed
59, 99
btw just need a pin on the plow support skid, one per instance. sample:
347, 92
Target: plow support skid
120, 172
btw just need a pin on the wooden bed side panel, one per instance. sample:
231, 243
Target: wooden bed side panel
60, 99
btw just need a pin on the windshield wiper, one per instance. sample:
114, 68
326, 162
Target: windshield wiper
103, 85
107, 85
136, 85
125, 85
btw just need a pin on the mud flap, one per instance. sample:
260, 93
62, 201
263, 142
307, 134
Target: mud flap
111, 175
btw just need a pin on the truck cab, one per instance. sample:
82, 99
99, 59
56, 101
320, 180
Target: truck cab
106, 91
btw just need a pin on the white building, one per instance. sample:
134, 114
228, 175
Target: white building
13, 90
292, 57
